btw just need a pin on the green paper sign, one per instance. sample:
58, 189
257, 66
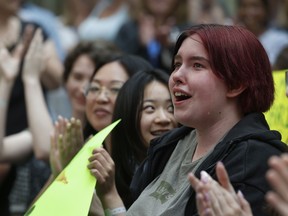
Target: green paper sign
71, 192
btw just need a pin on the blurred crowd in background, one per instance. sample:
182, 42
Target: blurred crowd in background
146, 28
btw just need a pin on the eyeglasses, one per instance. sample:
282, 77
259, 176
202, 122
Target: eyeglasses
94, 90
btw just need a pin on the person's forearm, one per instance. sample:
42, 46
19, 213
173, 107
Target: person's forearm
113, 204
16, 147
5, 90
39, 120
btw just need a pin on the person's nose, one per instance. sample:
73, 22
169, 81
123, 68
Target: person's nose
103, 95
163, 117
178, 76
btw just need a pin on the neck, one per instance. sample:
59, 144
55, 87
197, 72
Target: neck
208, 137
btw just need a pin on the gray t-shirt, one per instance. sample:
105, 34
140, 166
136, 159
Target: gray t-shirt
169, 192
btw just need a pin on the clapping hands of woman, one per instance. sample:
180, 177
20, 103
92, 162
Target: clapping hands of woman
218, 199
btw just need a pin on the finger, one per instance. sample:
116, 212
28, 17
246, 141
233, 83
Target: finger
36, 44
284, 158
205, 177
279, 165
66, 144
244, 204
203, 203
223, 201
278, 184
97, 175
223, 177
62, 124
54, 157
105, 154
277, 202
56, 130
194, 181
79, 134
27, 37
214, 202
230, 203
99, 166
61, 149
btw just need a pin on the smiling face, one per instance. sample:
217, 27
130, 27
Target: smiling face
157, 112
79, 76
101, 97
199, 97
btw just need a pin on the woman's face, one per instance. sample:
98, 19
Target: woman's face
157, 112
79, 77
199, 97
102, 93
252, 14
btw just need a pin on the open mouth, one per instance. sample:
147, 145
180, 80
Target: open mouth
179, 96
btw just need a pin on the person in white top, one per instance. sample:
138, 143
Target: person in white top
100, 19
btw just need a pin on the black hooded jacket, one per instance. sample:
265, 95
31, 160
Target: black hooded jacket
244, 151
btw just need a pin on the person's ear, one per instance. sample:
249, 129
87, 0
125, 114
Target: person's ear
236, 91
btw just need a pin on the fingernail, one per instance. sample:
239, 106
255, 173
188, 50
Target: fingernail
205, 178
240, 194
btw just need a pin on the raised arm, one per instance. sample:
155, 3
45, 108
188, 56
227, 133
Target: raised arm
15, 147
39, 120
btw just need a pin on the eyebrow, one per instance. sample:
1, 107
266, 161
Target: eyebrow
111, 82
155, 100
192, 58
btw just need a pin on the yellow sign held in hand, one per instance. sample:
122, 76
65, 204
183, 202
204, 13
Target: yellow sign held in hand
277, 116
71, 192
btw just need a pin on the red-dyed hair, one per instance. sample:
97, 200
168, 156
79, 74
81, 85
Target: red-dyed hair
239, 59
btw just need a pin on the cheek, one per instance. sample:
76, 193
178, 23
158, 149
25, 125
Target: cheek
145, 125
173, 120
89, 108
73, 86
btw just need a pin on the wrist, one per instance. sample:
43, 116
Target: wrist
30, 80
115, 211
111, 200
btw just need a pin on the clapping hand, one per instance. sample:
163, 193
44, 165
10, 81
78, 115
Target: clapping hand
66, 141
34, 58
278, 178
218, 199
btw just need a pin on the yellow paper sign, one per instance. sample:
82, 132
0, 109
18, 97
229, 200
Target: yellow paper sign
71, 192
277, 116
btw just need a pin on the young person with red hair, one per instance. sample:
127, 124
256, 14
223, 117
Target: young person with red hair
221, 84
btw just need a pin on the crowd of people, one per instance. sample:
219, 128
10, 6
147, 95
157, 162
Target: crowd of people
190, 81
